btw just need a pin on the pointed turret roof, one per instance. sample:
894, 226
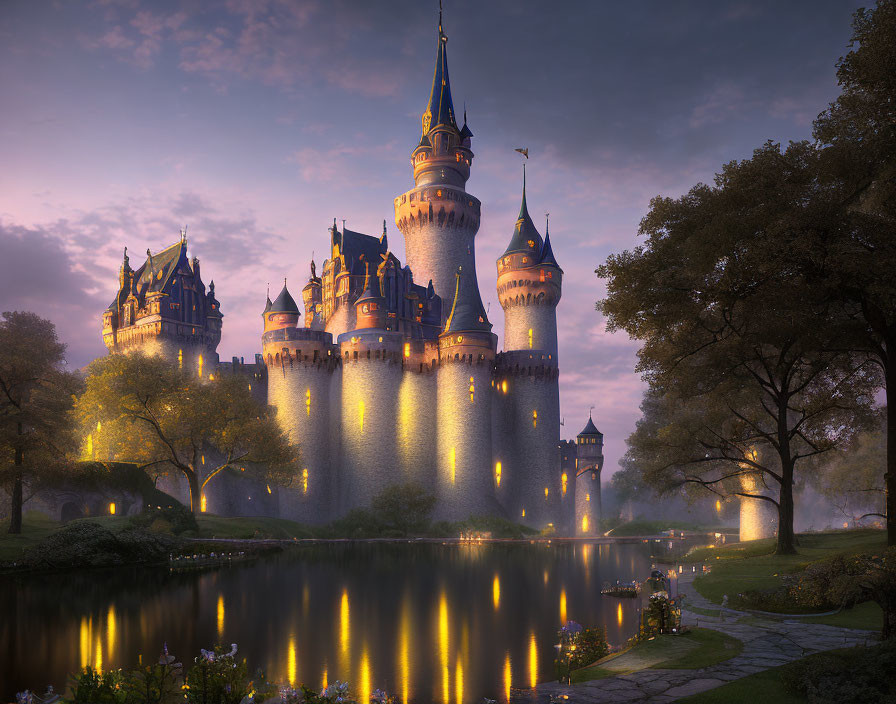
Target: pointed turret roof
591, 429
371, 287
440, 109
467, 311
284, 303
547, 252
524, 232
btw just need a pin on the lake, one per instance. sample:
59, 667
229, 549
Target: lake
448, 623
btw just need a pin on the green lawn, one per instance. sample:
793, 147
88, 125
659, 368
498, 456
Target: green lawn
741, 566
868, 616
211, 526
35, 527
699, 647
763, 686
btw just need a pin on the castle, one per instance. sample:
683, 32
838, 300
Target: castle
386, 380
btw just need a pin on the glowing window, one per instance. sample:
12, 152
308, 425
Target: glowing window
200, 366
545, 492
180, 359
524, 513
563, 481
203, 504
460, 338
587, 497
534, 419
531, 243
541, 275
585, 523
407, 349
530, 338
304, 481
504, 386
112, 508
472, 389
308, 401
498, 474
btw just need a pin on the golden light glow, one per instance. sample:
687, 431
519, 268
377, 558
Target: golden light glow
323, 680
619, 614
202, 459
504, 386
407, 349
587, 497
364, 683
90, 446
361, 416
85, 642
563, 607
403, 648
343, 623
112, 508
545, 492
533, 661
496, 592
111, 630
268, 487
308, 401
719, 506
498, 474
452, 460
524, 513
304, 481
534, 419
443, 645
507, 677
530, 338
472, 389
203, 504
585, 523
99, 426
291, 661
220, 615
180, 359
563, 481
211, 377
459, 682
98, 659
200, 366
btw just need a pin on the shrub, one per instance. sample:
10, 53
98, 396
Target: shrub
176, 515
404, 508
861, 675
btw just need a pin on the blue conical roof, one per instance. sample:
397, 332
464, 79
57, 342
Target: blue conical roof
467, 311
591, 429
526, 237
440, 109
284, 303
547, 252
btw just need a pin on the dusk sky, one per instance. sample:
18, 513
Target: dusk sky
256, 122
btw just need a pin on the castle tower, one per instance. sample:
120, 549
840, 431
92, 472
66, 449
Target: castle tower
589, 462
312, 297
371, 378
300, 366
437, 217
529, 287
528, 397
464, 407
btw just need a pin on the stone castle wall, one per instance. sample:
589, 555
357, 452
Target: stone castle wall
540, 318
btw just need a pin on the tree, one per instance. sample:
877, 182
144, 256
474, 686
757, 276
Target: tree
145, 410
404, 508
736, 349
36, 392
856, 137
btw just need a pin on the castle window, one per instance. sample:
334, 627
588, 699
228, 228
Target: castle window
541, 275
531, 243
112, 508
308, 401
180, 359
563, 481
504, 386
534, 419
545, 492
200, 366
304, 481
365, 308
525, 259
587, 497
498, 474
524, 513
472, 389
530, 338
460, 338
407, 349
203, 504
585, 523
439, 193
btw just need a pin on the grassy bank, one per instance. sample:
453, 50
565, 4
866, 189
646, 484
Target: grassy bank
740, 566
664, 526
699, 647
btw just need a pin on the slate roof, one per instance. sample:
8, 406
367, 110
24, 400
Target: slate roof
524, 231
284, 303
547, 252
440, 106
355, 244
467, 311
591, 429
156, 278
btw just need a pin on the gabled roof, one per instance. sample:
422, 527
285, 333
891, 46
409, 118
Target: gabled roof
591, 429
356, 244
524, 231
467, 311
158, 268
284, 303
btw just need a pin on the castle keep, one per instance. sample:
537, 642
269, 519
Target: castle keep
392, 373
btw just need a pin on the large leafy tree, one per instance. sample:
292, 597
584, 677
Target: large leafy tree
856, 137
143, 409
36, 394
737, 349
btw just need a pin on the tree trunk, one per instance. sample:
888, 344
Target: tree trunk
786, 539
890, 476
15, 516
193, 479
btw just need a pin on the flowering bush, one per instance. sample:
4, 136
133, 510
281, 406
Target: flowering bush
579, 647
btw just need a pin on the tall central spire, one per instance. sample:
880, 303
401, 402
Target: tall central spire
440, 110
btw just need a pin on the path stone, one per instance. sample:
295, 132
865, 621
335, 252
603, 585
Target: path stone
768, 642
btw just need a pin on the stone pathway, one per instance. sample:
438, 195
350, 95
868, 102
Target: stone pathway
767, 643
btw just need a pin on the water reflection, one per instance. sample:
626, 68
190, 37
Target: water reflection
424, 622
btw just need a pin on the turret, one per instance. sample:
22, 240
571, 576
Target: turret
589, 463
283, 311
370, 306
529, 287
464, 406
437, 217
312, 297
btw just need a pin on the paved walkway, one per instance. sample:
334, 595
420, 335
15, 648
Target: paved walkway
767, 643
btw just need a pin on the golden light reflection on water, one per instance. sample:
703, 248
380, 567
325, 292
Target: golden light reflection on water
459, 682
323, 680
496, 592
507, 676
220, 615
111, 628
364, 679
563, 606
85, 642
291, 661
343, 623
404, 675
98, 660
443, 646
619, 614
533, 661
